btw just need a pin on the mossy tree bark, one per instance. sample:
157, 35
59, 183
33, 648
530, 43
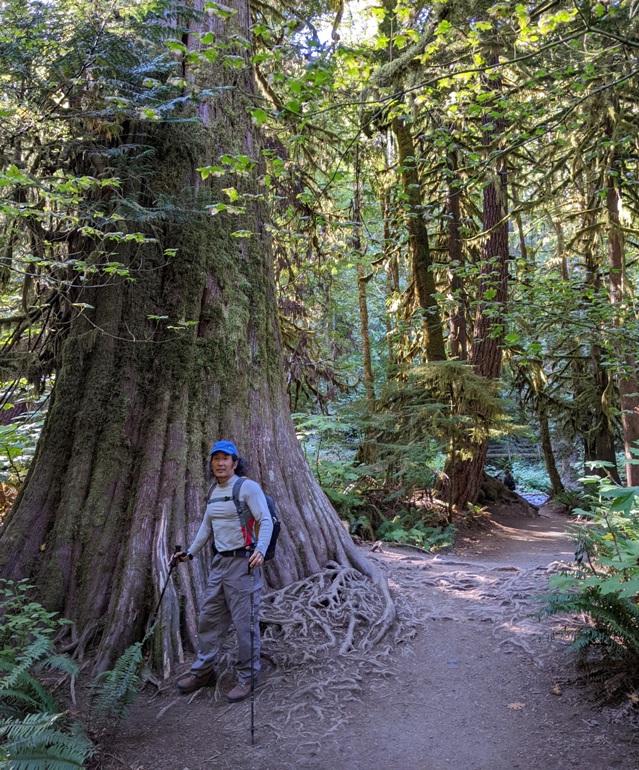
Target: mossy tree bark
458, 337
599, 433
465, 471
120, 470
627, 379
421, 260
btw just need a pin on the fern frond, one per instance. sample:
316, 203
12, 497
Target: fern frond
35, 742
62, 663
118, 688
22, 681
9, 699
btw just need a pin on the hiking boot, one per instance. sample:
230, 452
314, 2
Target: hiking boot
192, 682
241, 691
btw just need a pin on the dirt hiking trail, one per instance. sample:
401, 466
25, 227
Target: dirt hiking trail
471, 682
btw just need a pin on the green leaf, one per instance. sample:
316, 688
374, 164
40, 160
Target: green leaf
232, 194
219, 10
259, 116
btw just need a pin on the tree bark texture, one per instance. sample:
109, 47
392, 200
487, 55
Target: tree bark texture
120, 472
458, 338
627, 380
486, 352
422, 265
546, 445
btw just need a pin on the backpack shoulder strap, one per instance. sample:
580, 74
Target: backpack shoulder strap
236, 499
225, 499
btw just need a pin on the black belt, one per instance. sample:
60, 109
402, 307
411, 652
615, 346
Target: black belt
237, 552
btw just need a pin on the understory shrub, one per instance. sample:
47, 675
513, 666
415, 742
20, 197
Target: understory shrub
34, 733
372, 484
604, 582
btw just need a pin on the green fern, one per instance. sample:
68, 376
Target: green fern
35, 743
33, 734
604, 586
118, 688
615, 619
20, 689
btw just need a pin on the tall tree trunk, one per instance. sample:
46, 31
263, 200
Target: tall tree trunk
120, 471
457, 321
627, 380
546, 445
599, 438
369, 387
466, 475
362, 281
392, 282
434, 349
390, 254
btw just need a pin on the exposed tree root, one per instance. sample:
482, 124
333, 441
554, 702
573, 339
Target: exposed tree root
335, 607
320, 641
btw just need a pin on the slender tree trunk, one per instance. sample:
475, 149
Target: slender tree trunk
627, 380
362, 281
425, 289
546, 445
458, 338
369, 387
120, 471
392, 274
390, 256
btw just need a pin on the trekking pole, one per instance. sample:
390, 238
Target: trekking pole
252, 623
173, 562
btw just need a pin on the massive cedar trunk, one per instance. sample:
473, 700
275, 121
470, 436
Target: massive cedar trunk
120, 470
422, 265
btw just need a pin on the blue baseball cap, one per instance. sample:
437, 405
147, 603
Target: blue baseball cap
228, 447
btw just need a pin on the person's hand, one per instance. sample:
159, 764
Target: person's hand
256, 559
177, 557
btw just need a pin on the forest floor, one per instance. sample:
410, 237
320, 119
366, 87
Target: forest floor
474, 682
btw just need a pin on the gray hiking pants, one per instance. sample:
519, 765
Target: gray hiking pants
226, 600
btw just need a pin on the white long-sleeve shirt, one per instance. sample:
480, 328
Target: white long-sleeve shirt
221, 518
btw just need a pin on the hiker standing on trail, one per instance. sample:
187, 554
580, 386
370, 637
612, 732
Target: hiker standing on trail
236, 572
509, 480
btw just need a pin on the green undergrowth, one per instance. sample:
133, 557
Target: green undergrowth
384, 498
116, 690
36, 733
603, 584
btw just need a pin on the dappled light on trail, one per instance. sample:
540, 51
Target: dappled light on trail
468, 677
